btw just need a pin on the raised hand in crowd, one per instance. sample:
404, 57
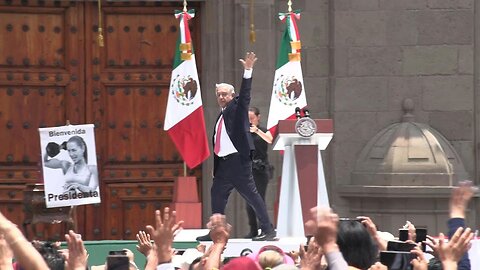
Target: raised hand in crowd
458, 205
77, 258
412, 231
420, 262
6, 254
162, 234
372, 230
311, 258
460, 197
144, 243
220, 233
324, 227
219, 229
25, 254
450, 253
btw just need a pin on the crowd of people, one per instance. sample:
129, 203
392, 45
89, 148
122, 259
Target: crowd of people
335, 244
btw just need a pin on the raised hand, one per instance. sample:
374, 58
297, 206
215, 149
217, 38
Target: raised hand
219, 232
144, 243
163, 233
420, 262
249, 60
460, 197
77, 254
312, 257
412, 231
219, 228
452, 251
372, 230
326, 228
432, 243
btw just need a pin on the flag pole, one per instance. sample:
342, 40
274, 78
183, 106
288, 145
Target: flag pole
289, 5
252, 23
184, 5
184, 169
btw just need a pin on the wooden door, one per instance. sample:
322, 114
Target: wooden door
53, 70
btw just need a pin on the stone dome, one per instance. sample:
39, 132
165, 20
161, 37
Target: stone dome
408, 154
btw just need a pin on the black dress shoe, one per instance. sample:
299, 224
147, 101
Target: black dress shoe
204, 238
269, 236
250, 235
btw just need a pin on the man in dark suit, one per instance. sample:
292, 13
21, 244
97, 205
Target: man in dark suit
233, 146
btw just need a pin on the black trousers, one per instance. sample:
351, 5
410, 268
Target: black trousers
235, 172
261, 181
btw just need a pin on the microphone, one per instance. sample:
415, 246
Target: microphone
297, 113
306, 113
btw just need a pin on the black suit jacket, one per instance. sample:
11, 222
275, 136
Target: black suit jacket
237, 124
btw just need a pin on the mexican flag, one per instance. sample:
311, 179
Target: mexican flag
288, 88
184, 121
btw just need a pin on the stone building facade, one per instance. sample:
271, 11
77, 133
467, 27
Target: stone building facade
361, 59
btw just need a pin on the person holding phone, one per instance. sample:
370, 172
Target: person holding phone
356, 244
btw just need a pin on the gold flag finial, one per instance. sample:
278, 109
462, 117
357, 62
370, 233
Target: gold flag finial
289, 5
252, 34
184, 5
252, 23
101, 42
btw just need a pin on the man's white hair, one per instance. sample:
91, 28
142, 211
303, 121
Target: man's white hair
225, 85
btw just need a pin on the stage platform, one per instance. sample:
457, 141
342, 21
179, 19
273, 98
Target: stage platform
236, 246
98, 250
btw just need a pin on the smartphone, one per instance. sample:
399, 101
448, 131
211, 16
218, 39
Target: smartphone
117, 252
400, 246
403, 235
397, 260
117, 262
420, 232
350, 219
421, 236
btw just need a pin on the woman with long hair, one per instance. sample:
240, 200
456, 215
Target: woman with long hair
79, 176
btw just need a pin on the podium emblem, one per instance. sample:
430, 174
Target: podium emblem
306, 127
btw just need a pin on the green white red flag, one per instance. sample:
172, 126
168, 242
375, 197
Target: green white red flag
288, 87
184, 120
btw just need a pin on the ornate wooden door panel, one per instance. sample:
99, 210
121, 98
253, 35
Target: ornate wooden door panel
127, 87
133, 205
41, 84
52, 69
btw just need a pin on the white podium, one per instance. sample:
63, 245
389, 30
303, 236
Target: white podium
303, 181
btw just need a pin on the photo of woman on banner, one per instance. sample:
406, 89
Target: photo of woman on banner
79, 176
